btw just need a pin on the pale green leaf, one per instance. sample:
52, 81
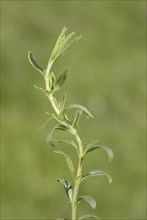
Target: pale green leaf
82, 108
43, 126
57, 127
34, 62
57, 47
63, 44
94, 146
39, 88
89, 199
94, 173
77, 118
68, 161
63, 102
68, 142
69, 45
88, 216
68, 188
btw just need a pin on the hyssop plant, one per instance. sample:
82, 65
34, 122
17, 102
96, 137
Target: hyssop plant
65, 123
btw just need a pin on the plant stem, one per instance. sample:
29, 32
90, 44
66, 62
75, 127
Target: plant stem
76, 189
77, 180
51, 99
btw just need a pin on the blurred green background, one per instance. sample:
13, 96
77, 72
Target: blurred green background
107, 75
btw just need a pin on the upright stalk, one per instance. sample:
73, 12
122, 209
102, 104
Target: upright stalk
77, 179
76, 189
52, 85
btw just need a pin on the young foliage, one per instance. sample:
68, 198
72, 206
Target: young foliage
69, 125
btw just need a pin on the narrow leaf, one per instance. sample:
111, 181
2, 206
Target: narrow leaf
68, 188
55, 51
70, 44
39, 88
63, 102
68, 160
96, 173
82, 108
43, 126
94, 146
62, 128
68, 142
34, 63
61, 80
77, 118
50, 138
57, 127
89, 199
89, 216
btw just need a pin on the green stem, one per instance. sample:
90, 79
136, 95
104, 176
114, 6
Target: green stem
77, 180
76, 189
51, 99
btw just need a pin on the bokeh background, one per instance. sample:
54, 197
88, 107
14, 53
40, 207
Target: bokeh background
107, 75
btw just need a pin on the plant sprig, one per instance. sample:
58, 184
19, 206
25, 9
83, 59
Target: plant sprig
64, 123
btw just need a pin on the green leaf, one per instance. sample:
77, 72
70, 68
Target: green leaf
52, 81
89, 199
68, 142
62, 128
63, 44
62, 103
61, 80
34, 63
94, 146
39, 88
57, 127
68, 188
68, 160
96, 173
77, 118
43, 126
82, 108
57, 47
69, 45
88, 216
